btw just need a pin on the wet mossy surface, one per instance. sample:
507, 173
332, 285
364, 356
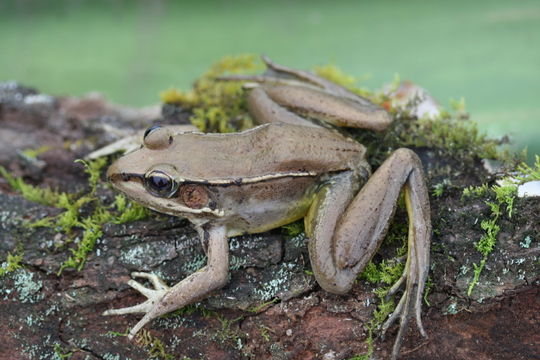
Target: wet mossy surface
272, 307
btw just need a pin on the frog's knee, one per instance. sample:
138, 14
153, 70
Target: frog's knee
406, 155
339, 284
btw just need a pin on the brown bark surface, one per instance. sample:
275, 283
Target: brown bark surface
272, 308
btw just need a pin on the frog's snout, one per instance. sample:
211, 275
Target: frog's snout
112, 173
115, 176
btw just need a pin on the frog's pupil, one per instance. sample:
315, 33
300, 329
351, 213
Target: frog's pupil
159, 182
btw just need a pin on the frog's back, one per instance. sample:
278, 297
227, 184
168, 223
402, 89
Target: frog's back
275, 148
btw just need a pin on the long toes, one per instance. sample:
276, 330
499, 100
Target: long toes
140, 308
153, 278
140, 288
393, 317
418, 315
145, 320
397, 285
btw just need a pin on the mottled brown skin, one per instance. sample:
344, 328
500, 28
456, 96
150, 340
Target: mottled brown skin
286, 169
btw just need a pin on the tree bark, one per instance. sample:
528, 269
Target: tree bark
271, 308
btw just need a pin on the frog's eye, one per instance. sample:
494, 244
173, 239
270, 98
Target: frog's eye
157, 137
160, 184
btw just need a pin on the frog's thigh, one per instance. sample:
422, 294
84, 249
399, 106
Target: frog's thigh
320, 222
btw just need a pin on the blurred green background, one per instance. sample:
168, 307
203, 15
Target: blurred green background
485, 51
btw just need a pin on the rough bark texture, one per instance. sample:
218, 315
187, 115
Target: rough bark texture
43, 315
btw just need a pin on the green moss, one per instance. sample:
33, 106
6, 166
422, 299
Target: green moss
258, 308
429, 286
191, 309
384, 274
34, 153
528, 173
93, 170
294, 229
61, 353
362, 357
153, 345
453, 136
226, 334
31, 193
501, 197
128, 211
265, 332
91, 233
438, 189
218, 106
12, 263
120, 211
475, 191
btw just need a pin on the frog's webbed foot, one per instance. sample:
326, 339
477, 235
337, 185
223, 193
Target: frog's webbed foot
410, 303
162, 299
154, 296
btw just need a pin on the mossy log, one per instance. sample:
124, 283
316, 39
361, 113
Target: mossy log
272, 308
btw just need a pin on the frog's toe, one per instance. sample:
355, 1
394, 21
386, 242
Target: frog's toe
154, 279
142, 289
153, 296
409, 305
136, 309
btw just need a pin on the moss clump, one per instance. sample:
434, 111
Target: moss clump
43, 196
119, 212
384, 274
500, 199
294, 229
528, 173
12, 263
153, 345
453, 136
72, 216
34, 153
60, 353
218, 106
449, 137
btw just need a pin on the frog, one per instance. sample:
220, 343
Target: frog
295, 164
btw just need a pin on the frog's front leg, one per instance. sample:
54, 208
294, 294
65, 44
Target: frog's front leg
194, 287
346, 232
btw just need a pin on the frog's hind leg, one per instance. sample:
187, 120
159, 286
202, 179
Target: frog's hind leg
265, 110
340, 253
298, 91
310, 78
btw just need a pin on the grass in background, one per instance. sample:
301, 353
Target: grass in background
484, 51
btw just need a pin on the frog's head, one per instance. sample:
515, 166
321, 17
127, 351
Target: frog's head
149, 176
